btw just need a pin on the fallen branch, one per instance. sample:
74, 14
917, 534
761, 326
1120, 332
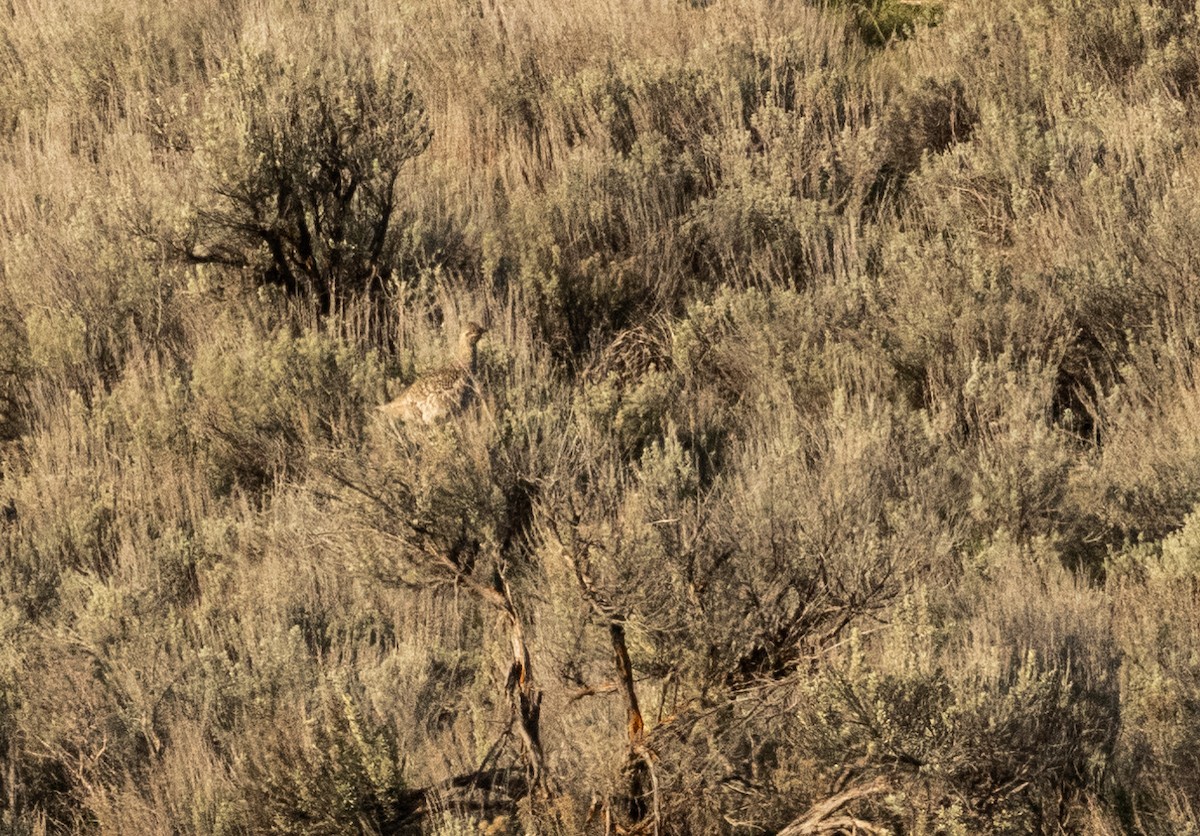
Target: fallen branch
592, 691
818, 818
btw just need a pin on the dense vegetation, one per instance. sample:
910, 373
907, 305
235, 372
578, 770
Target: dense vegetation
836, 458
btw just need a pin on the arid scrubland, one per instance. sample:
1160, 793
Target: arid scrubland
832, 466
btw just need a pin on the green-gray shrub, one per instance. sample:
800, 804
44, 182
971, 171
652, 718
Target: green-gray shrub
300, 152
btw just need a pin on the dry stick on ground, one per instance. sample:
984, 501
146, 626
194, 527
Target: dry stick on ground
820, 817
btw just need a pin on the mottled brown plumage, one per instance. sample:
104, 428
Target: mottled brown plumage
435, 396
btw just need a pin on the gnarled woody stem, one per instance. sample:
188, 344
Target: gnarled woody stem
635, 726
525, 698
637, 764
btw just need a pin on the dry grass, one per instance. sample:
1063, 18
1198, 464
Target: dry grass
835, 464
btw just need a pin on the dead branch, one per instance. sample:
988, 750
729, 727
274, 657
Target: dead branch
638, 761
603, 689
818, 818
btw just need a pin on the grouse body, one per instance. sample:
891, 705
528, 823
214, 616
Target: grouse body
436, 395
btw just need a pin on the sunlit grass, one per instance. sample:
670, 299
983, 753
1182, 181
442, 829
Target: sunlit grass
831, 459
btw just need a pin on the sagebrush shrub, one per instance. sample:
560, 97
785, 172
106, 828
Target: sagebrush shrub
300, 152
834, 457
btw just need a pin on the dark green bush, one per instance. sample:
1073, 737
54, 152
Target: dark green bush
300, 153
14, 377
598, 248
328, 772
261, 403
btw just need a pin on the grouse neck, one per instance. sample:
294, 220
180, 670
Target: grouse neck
467, 353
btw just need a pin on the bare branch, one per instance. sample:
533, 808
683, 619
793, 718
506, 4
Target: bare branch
817, 819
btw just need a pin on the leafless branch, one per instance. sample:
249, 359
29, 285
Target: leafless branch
818, 817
